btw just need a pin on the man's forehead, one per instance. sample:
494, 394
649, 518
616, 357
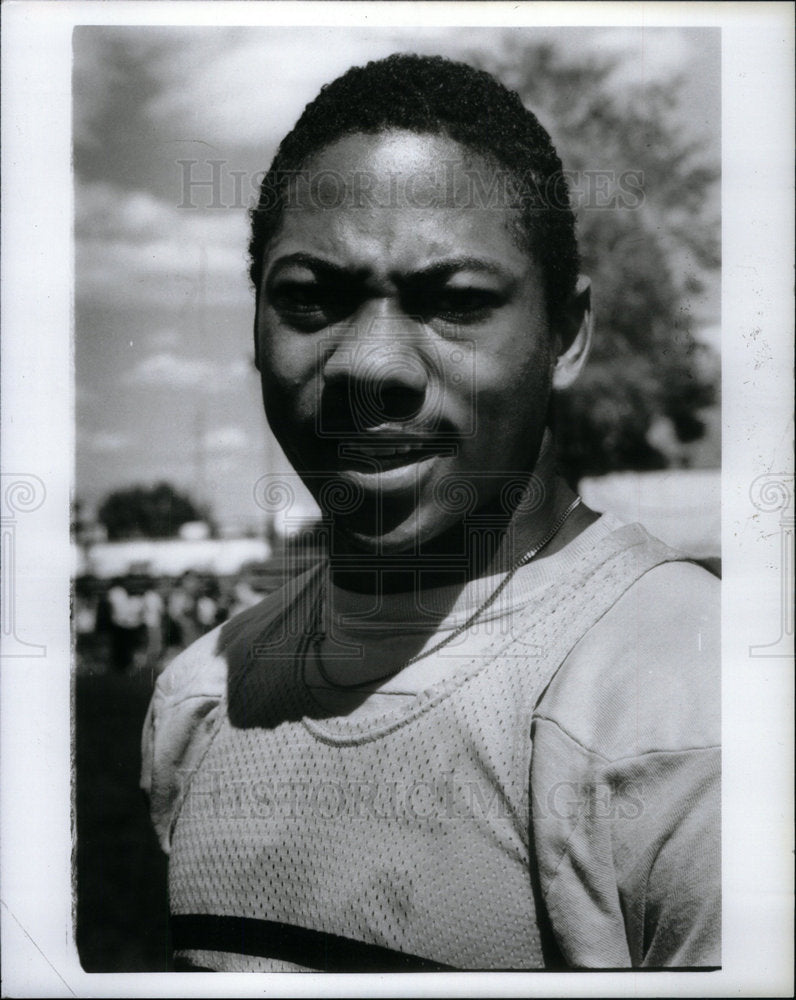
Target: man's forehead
401, 170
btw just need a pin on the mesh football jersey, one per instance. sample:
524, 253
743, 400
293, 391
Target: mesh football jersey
403, 840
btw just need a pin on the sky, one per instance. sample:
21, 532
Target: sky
165, 386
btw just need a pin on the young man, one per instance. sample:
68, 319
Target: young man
482, 732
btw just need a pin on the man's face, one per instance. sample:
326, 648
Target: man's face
402, 339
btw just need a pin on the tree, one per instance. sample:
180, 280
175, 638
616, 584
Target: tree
147, 512
646, 200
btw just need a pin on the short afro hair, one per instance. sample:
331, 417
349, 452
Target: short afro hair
434, 95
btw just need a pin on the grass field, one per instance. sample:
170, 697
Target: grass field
122, 906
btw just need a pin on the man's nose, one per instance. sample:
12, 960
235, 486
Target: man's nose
376, 367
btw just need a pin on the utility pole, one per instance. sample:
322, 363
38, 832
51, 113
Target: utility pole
200, 419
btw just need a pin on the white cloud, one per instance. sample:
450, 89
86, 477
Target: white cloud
164, 338
226, 439
107, 212
132, 249
165, 369
104, 442
248, 86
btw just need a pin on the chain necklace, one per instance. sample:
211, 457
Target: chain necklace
317, 634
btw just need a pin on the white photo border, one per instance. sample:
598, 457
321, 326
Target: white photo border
39, 955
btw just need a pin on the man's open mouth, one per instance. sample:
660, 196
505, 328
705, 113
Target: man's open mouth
381, 456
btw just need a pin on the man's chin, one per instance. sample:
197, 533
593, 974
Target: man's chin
372, 543
406, 537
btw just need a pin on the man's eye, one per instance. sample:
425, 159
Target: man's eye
460, 305
300, 295
308, 303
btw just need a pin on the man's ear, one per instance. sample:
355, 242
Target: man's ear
573, 335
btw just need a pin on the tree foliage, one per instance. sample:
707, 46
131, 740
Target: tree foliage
147, 512
646, 200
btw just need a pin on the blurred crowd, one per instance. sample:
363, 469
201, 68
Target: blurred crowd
139, 621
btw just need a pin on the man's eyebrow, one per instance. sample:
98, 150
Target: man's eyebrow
317, 264
434, 271
443, 268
